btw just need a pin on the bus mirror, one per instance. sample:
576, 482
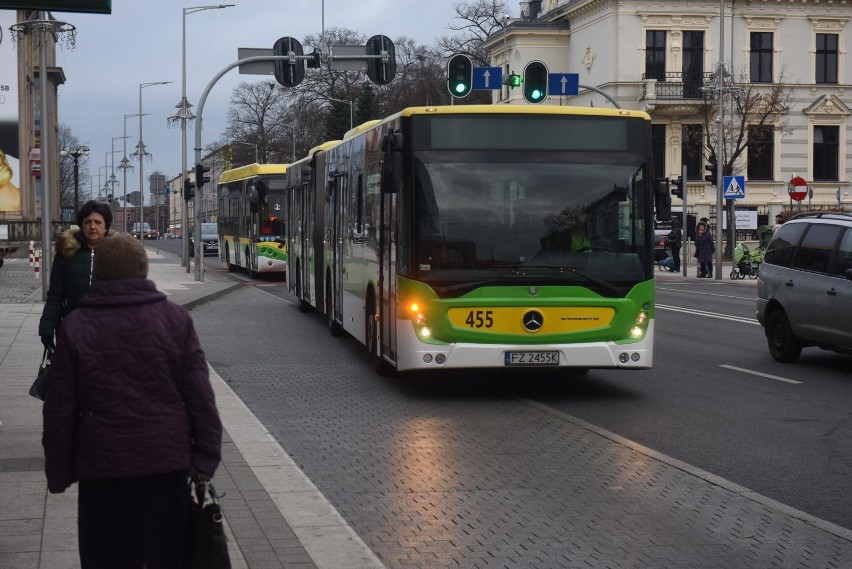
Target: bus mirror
392, 165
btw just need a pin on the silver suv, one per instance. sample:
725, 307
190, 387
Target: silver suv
805, 287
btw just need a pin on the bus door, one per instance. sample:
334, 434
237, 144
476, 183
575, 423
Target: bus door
387, 267
318, 197
306, 219
337, 189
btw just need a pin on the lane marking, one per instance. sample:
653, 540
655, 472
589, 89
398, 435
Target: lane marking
693, 292
709, 314
760, 373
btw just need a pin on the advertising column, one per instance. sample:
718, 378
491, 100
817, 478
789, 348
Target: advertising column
10, 152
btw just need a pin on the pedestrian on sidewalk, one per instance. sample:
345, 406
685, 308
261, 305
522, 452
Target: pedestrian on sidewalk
130, 415
704, 249
71, 272
674, 240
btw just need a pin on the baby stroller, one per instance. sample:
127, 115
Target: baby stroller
746, 263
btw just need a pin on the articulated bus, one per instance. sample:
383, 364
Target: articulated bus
252, 224
482, 236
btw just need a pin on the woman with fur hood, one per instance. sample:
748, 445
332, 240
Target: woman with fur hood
71, 272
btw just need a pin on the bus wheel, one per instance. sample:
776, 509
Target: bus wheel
334, 328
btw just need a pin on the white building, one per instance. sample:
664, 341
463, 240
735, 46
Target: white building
657, 55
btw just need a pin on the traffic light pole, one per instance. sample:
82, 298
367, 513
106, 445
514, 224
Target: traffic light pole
684, 217
199, 247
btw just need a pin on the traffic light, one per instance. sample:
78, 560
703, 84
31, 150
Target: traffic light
288, 73
677, 187
459, 75
188, 189
381, 71
200, 177
513, 80
712, 168
535, 82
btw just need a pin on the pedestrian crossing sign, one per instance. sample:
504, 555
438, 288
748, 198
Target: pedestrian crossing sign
734, 187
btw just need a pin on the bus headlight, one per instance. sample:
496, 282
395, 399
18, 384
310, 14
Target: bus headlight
640, 326
424, 332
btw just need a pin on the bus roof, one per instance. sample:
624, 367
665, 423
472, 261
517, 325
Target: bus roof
250, 171
519, 109
324, 146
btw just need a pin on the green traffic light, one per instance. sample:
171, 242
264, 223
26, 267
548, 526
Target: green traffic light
460, 87
536, 94
514, 80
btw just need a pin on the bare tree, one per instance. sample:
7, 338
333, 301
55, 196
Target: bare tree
750, 109
477, 20
258, 116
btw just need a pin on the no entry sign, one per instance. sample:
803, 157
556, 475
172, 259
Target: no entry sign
797, 188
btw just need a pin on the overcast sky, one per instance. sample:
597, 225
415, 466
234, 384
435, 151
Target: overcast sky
140, 42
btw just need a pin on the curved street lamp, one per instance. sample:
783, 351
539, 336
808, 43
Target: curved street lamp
75, 154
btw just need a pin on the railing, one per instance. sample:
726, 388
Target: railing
677, 86
22, 232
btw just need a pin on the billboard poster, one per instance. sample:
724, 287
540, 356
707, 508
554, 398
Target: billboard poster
10, 152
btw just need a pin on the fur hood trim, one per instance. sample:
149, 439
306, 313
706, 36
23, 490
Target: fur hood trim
72, 240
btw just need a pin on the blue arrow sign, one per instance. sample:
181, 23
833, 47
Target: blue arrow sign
563, 84
487, 78
734, 187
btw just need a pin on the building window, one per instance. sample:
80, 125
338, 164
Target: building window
826, 58
826, 149
655, 55
693, 64
761, 57
761, 152
658, 146
691, 151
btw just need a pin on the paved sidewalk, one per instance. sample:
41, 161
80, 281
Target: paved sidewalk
275, 517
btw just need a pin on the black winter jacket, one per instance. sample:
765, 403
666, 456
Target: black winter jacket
129, 390
70, 279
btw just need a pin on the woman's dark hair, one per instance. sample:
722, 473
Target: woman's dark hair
93, 206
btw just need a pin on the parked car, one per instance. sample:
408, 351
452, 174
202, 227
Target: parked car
805, 285
209, 239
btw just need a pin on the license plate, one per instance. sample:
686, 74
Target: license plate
532, 358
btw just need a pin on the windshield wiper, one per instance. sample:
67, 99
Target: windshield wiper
471, 284
576, 271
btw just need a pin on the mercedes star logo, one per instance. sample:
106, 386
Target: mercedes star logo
533, 321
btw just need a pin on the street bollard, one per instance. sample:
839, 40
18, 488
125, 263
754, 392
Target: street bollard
37, 263
32, 253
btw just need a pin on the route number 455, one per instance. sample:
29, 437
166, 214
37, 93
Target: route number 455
480, 319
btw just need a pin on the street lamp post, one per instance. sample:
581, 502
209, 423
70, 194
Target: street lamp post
125, 165
75, 154
113, 180
183, 115
350, 108
142, 153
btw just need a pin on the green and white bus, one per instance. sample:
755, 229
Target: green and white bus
252, 224
482, 236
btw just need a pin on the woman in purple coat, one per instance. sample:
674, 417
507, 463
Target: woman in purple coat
130, 414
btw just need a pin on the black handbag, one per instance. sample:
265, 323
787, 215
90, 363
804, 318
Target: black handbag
39, 387
206, 544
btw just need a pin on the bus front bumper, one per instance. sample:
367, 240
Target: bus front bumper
414, 354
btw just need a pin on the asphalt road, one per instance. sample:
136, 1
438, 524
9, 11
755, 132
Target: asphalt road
715, 398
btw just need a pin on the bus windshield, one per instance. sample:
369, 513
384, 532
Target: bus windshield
547, 217
272, 209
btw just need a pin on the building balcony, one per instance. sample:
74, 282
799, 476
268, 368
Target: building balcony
678, 94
